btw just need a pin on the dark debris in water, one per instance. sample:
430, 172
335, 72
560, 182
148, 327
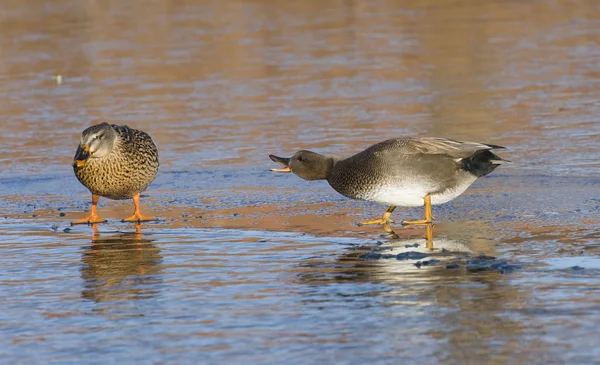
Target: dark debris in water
376, 256
485, 257
472, 264
410, 246
577, 268
379, 249
490, 263
427, 263
411, 255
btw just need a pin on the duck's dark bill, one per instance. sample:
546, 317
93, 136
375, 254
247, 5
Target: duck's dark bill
285, 162
82, 153
81, 156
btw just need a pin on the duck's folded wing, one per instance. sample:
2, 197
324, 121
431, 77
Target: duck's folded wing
443, 146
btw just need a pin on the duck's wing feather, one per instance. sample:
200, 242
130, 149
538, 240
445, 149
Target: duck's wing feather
443, 146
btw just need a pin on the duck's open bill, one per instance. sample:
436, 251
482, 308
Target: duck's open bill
285, 162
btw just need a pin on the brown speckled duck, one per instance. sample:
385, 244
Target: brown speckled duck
115, 162
400, 172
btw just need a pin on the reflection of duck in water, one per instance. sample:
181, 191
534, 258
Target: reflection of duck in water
402, 171
404, 254
123, 266
412, 254
381, 260
428, 241
428, 244
446, 309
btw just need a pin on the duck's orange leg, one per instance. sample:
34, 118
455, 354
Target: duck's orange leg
428, 216
93, 217
383, 220
137, 215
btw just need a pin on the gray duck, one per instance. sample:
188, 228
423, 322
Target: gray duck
115, 162
411, 171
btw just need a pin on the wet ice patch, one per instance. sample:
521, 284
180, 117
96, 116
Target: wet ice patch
575, 263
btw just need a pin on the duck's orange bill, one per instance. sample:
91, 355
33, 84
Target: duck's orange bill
285, 162
285, 169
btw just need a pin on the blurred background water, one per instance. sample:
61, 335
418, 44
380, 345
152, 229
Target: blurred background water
247, 266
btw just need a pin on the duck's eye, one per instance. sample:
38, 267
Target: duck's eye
300, 158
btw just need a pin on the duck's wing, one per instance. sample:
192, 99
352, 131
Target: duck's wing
443, 146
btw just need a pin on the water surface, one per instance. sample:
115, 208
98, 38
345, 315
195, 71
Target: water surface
247, 266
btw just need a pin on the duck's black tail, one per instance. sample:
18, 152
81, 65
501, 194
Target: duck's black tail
483, 162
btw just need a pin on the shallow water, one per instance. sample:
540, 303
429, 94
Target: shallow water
247, 266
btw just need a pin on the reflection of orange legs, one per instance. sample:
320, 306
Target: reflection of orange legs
138, 233
138, 230
96, 232
428, 216
384, 220
93, 217
137, 215
429, 235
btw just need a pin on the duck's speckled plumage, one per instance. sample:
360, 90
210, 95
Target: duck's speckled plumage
127, 170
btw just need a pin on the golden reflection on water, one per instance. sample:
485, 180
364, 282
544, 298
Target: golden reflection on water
120, 267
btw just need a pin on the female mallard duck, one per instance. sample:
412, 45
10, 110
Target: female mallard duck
116, 162
402, 171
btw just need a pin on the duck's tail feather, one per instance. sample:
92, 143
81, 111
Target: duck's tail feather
482, 163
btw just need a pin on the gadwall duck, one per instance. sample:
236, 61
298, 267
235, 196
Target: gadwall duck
115, 162
406, 172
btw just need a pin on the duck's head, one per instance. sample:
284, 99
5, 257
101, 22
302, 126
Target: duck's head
306, 164
96, 141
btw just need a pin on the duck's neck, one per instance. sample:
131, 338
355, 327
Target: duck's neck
329, 167
322, 170
331, 162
